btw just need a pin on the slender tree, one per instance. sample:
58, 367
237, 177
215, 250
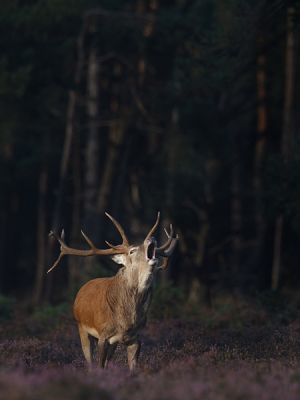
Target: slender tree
287, 136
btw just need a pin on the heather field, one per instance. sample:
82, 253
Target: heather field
230, 352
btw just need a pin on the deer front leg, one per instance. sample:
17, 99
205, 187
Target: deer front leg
87, 343
110, 352
133, 352
102, 352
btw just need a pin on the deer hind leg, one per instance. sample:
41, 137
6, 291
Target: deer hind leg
110, 352
133, 352
87, 343
103, 346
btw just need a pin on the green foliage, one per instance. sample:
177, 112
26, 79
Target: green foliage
99, 271
14, 83
278, 305
7, 306
167, 301
274, 301
48, 312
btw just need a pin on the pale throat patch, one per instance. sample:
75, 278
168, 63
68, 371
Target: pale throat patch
145, 279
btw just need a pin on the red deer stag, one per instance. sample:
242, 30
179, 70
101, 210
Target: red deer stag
114, 310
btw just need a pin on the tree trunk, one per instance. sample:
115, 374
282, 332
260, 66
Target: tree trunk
287, 139
41, 238
287, 136
259, 148
277, 252
116, 139
164, 276
3, 238
90, 217
74, 278
200, 281
56, 220
118, 149
236, 218
116, 202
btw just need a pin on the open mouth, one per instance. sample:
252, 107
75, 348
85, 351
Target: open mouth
151, 251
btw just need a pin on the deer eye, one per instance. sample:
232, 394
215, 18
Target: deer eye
133, 250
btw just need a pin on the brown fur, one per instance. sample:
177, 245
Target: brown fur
101, 306
114, 310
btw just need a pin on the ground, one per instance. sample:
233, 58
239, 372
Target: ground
230, 353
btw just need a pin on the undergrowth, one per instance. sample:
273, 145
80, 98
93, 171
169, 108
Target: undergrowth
236, 350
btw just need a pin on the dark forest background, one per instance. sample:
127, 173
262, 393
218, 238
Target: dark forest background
187, 107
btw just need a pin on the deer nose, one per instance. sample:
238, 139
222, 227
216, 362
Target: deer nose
151, 240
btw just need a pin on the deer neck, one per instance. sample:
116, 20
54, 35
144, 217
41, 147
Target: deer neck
137, 280
125, 295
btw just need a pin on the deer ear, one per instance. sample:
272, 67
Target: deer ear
118, 258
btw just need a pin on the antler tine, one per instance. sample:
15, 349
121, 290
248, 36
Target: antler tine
170, 237
63, 247
120, 229
56, 263
61, 239
88, 240
165, 264
154, 227
167, 254
111, 245
171, 248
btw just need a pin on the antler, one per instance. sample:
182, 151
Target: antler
121, 230
171, 244
66, 250
154, 227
